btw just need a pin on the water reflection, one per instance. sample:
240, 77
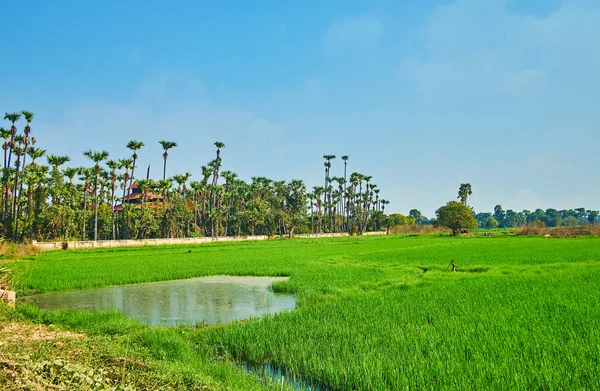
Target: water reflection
209, 300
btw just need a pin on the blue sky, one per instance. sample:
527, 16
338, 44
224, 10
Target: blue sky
422, 95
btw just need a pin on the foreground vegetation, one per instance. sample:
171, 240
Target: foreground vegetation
374, 312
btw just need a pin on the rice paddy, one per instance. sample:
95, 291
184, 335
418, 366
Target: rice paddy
374, 313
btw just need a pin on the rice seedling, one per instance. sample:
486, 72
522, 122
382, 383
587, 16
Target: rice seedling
375, 313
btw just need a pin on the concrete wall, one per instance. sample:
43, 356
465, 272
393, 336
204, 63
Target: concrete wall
162, 242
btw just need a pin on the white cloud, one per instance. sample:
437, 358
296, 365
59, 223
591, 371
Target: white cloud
477, 49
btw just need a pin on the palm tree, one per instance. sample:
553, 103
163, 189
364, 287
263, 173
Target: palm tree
464, 192
317, 191
85, 175
5, 134
70, 173
134, 146
19, 151
126, 164
13, 118
345, 159
35, 153
327, 187
96, 157
166, 146
26, 141
113, 165
217, 164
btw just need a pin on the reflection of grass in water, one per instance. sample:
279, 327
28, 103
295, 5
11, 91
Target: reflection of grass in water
518, 313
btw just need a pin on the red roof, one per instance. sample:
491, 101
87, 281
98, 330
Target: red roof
149, 195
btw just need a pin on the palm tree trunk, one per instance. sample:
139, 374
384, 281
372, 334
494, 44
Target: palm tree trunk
96, 208
84, 211
112, 210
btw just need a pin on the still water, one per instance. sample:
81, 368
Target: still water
205, 300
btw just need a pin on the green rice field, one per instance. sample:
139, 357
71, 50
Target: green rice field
374, 313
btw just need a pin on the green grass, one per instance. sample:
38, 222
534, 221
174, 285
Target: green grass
520, 313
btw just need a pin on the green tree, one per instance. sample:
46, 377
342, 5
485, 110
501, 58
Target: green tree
592, 216
295, 203
395, 220
166, 146
416, 216
134, 146
456, 216
96, 157
464, 192
491, 222
499, 215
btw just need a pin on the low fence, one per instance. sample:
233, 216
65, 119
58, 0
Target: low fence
169, 241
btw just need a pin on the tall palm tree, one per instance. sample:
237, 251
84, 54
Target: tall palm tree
166, 146
345, 202
96, 157
19, 151
126, 164
13, 118
464, 192
114, 166
5, 134
317, 191
217, 164
134, 146
327, 187
85, 174
26, 141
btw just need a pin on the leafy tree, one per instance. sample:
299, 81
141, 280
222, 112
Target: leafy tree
395, 220
499, 215
416, 216
491, 222
456, 216
482, 219
295, 203
592, 216
96, 157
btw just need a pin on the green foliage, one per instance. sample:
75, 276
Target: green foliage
456, 216
491, 222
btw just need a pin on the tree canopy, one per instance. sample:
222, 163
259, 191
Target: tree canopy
456, 216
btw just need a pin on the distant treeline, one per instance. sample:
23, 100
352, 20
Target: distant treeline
109, 199
550, 217
501, 218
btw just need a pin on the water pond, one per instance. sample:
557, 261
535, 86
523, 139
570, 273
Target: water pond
205, 300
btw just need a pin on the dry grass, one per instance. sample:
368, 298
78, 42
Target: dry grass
14, 250
5, 277
417, 229
537, 229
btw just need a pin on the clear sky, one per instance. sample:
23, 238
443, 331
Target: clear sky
422, 95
